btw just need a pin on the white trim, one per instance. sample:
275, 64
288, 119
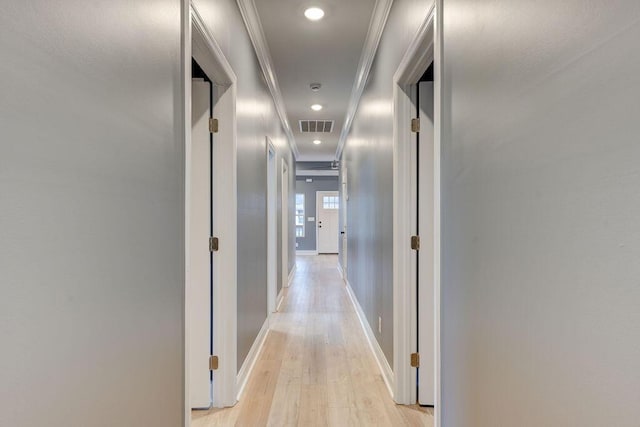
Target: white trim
292, 275
252, 358
378, 354
256, 33
341, 271
415, 60
312, 173
279, 299
439, 111
185, 68
272, 226
284, 223
306, 253
224, 194
374, 34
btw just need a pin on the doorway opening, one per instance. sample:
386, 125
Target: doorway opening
272, 225
342, 265
284, 226
210, 214
424, 194
417, 219
200, 295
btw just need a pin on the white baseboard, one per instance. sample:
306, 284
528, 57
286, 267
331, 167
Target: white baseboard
292, 273
383, 364
279, 299
252, 357
303, 253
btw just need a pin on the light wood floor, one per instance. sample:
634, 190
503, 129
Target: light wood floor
316, 368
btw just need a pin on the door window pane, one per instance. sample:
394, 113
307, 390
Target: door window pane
300, 215
330, 202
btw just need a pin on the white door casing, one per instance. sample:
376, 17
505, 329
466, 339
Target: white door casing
272, 246
343, 210
424, 48
285, 224
426, 289
199, 288
327, 234
199, 44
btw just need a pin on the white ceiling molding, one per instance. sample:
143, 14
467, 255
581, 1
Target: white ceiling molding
376, 27
256, 33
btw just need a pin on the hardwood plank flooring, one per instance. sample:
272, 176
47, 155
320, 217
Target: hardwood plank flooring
316, 368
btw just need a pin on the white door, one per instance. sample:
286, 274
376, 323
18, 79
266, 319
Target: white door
199, 286
426, 287
343, 232
272, 246
285, 224
327, 207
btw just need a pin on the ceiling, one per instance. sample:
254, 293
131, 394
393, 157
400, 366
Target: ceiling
327, 51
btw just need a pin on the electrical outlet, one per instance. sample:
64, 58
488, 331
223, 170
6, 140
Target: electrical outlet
379, 324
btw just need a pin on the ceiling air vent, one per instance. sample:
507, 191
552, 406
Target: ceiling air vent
316, 126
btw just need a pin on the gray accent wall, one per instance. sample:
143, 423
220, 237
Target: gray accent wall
541, 213
91, 214
368, 156
257, 119
319, 183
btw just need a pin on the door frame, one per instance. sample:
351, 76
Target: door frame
344, 262
198, 42
199, 295
272, 228
284, 225
319, 194
426, 47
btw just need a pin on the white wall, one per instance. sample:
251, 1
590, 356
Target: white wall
257, 118
541, 213
91, 214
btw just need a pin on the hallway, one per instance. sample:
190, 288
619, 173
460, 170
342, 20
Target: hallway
316, 368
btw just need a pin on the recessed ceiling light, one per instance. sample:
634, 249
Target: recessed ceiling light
317, 141
316, 107
314, 13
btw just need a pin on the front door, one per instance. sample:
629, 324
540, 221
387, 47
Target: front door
328, 205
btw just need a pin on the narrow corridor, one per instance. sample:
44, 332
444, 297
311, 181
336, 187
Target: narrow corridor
316, 368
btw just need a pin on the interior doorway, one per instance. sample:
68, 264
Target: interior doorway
425, 167
327, 215
210, 176
417, 218
200, 260
272, 245
284, 208
343, 213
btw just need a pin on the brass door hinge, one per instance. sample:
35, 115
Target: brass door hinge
415, 125
213, 244
415, 360
415, 243
213, 363
213, 125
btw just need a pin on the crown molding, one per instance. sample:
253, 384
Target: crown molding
374, 34
254, 28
